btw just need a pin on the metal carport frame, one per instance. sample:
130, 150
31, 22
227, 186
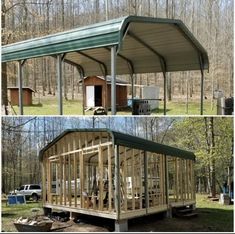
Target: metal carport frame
128, 45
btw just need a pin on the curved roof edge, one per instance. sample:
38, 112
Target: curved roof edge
181, 26
130, 141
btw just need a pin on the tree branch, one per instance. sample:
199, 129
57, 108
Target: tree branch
167, 130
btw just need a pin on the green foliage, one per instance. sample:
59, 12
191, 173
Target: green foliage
191, 134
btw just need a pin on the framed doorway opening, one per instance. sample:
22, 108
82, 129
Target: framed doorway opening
98, 95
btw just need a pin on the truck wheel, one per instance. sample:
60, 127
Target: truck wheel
35, 197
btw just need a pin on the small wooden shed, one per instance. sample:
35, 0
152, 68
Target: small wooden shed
113, 175
27, 96
95, 92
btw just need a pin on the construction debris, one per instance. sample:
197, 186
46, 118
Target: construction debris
34, 224
37, 220
60, 216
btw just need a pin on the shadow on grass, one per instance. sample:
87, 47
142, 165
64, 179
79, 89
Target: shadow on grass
36, 105
154, 111
160, 111
208, 220
6, 214
32, 202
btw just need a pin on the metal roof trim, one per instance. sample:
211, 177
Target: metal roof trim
105, 29
57, 41
130, 141
75, 30
53, 53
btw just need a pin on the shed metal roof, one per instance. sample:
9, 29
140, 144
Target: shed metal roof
129, 141
140, 42
24, 88
108, 78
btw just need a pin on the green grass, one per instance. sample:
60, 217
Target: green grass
49, 106
12, 212
212, 217
179, 108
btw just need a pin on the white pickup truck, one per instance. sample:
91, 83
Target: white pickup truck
33, 191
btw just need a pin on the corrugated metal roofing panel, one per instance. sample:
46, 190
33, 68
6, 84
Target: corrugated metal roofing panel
166, 36
92, 36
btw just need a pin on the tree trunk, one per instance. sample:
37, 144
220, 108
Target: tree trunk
34, 77
3, 189
4, 65
20, 168
169, 93
213, 176
44, 74
72, 82
167, 9
156, 9
48, 62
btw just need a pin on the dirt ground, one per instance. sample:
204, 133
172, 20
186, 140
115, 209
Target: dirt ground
71, 226
152, 223
82, 223
145, 224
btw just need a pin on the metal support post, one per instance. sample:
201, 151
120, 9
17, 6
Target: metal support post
165, 87
82, 75
20, 88
83, 96
20, 80
117, 181
59, 80
202, 91
113, 82
132, 89
106, 94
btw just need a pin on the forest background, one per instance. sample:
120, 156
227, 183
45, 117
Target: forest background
211, 139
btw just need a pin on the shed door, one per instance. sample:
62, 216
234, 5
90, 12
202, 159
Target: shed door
90, 96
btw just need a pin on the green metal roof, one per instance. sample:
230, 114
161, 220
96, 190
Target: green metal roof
92, 36
130, 141
168, 37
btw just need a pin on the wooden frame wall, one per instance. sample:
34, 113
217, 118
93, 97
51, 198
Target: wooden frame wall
84, 171
66, 163
181, 173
